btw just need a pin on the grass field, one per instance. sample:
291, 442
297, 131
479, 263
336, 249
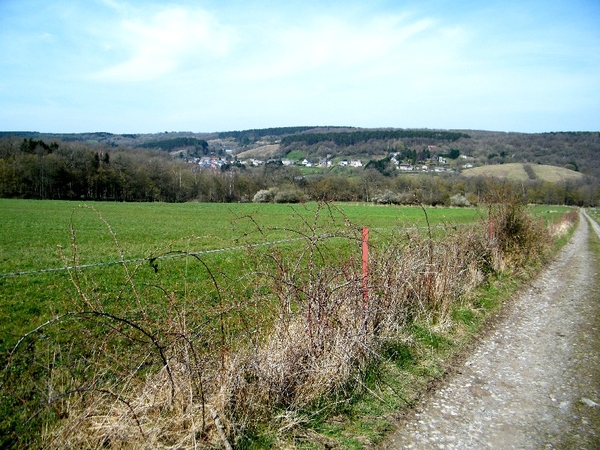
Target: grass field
31, 233
139, 308
32, 230
516, 172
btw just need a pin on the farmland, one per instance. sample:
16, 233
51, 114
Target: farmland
32, 232
231, 293
524, 172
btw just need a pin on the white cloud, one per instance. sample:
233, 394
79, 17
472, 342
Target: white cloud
140, 63
332, 44
163, 42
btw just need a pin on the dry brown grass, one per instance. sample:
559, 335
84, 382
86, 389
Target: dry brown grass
263, 152
516, 172
564, 225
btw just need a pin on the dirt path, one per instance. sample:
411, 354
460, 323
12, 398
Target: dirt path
534, 382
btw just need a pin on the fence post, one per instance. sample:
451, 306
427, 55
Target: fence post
491, 230
365, 267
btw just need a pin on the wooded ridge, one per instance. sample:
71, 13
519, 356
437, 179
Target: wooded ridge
342, 163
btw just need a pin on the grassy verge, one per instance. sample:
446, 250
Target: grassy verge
422, 356
590, 340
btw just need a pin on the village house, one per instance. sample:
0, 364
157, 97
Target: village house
252, 162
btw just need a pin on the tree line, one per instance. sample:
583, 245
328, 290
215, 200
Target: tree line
355, 137
246, 137
35, 169
169, 145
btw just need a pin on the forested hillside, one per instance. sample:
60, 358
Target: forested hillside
389, 165
577, 150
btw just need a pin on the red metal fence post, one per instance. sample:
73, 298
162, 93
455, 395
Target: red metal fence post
491, 230
365, 266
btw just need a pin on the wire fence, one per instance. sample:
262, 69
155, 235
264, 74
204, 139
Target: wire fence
199, 253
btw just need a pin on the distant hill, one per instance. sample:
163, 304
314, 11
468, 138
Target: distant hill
579, 151
345, 164
524, 172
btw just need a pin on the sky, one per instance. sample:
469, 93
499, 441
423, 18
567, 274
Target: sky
149, 66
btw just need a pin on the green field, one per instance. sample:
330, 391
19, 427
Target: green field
146, 264
33, 231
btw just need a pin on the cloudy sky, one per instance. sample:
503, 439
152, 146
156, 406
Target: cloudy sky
132, 66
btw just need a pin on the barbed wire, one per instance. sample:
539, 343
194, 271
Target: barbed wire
199, 253
147, 258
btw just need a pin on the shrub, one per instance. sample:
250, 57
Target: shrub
279, 195
289, 196
386, 198
459, 200
264, 195
518, 238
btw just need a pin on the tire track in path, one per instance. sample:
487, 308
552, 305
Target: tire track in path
534, 382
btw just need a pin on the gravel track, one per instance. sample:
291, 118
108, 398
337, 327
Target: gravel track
534, 381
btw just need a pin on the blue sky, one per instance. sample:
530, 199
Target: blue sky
149, 66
